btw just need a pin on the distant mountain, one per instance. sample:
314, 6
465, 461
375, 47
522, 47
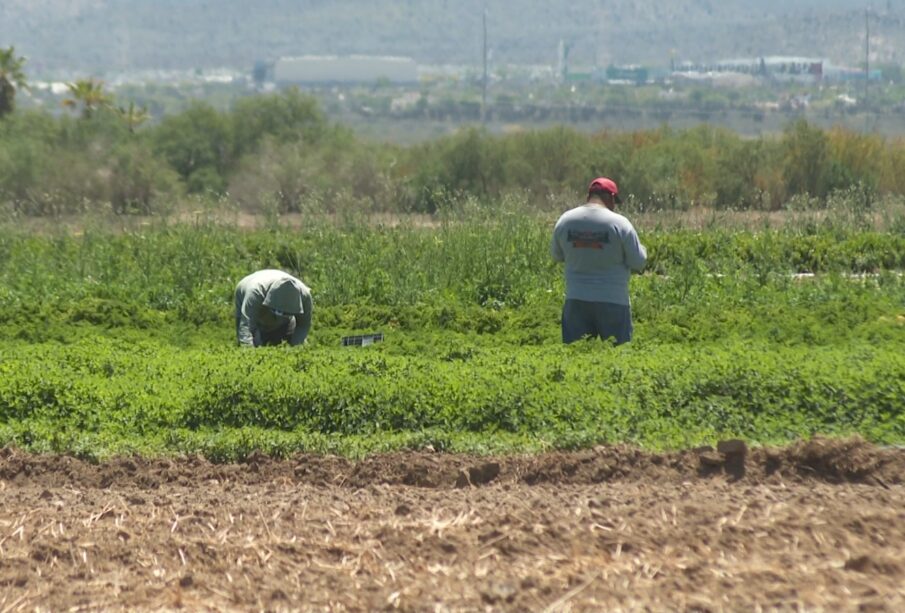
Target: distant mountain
95, 35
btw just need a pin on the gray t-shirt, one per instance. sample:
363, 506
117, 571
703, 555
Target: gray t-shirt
600, 249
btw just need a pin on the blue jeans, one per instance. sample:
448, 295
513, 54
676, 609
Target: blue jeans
581, 318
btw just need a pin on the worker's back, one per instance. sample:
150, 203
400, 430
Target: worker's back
600, 248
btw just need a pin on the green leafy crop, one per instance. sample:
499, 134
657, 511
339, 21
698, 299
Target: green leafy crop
123, 342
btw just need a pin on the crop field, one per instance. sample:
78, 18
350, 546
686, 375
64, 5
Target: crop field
469, 461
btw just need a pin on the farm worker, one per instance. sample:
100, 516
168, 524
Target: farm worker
600, 249
271, 307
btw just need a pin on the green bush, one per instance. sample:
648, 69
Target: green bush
198, 145
99, 398
289, 117
139, 182
278, 153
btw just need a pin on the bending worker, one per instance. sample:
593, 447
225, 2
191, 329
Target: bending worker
271, 307
600, 249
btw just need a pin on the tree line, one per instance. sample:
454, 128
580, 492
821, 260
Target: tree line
279, 153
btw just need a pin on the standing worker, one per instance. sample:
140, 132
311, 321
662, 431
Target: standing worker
600, 249
271, 307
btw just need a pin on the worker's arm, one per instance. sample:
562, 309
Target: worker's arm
246, 324
555, 248
303, 321
635, 252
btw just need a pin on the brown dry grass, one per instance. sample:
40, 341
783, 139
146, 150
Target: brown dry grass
700, 218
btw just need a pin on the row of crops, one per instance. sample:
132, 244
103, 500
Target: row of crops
123, 341
105, 397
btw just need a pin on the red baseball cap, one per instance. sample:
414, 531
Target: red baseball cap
605, 185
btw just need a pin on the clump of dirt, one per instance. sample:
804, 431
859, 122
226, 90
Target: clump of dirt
873, 565
478, 475
851, 459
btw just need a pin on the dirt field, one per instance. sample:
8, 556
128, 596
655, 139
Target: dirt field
817, 526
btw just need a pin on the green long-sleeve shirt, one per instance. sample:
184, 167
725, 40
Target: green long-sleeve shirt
264, 290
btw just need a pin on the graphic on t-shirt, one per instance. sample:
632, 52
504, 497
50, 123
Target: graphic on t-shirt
587, 239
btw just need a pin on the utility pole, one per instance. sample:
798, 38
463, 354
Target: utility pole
124, 40
484, 80
866, 57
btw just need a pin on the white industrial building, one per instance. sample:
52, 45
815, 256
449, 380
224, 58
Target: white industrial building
314, 69
777, 68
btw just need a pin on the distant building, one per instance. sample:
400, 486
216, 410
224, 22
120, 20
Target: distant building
843, 73
774, 67
632, 73
328, 69
777, 68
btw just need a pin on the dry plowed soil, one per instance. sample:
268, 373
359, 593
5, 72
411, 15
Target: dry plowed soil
816, 526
